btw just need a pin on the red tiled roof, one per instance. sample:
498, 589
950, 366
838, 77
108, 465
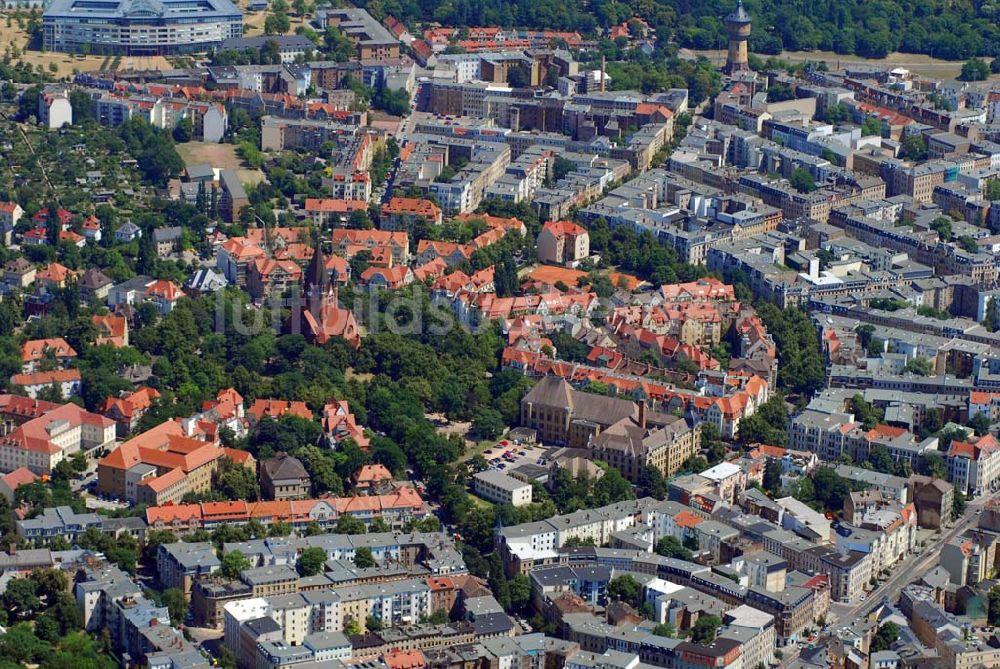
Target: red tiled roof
291, 510
332, 206
54, 272
164, 289
35, 349
343, 236
411, 206
560, 228
438, 583
687, 519
44, 378
373, 474
19, 477
404, 659
236, 455
161, 483
276, 408
127, 406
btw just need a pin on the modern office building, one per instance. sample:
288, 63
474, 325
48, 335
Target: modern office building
139, 27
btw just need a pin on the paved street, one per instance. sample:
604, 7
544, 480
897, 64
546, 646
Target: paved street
902, 575
914, 567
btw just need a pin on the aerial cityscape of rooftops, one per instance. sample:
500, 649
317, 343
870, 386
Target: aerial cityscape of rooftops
499, 334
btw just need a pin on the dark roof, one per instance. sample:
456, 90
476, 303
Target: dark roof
95, 278
921, 483
26, 559
167, 234
492, 623
315, 279
739, 15
231, 182
135, 283
717, 648
628, 437
18, 264
261, 626
555, 392
201, 171
130, 523
283, 467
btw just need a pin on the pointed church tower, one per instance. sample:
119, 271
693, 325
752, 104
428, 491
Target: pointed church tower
497, 528
314, 282
316, 285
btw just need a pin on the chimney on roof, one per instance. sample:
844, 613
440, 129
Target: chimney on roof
642, 414
604, 65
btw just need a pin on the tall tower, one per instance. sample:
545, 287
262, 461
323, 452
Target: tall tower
738, 25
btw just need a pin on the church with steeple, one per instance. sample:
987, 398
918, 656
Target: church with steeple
319, 316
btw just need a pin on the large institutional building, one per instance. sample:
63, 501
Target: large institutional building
139, 27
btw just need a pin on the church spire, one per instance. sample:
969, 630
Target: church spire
316, 276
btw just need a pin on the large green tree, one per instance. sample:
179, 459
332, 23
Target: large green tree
235, 563
311, 561
768, 425
705, 629
363, 558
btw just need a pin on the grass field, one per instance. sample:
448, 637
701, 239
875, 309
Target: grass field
218, 155
66, 63
253, 24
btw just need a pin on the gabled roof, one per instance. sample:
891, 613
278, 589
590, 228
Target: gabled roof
111, 329
277, 408
333, 206
411, 206
130, 452
127, 406
241, 250
46, 378
556, 392
34, 435
161, 483
343, 236
35, 349
982, 448
19, 477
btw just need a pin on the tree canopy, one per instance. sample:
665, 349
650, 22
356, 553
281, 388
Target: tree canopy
954, 31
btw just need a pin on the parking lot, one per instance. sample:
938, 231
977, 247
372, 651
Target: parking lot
507, 455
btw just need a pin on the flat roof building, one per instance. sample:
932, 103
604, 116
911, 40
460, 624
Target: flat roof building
139, 27
502, 489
